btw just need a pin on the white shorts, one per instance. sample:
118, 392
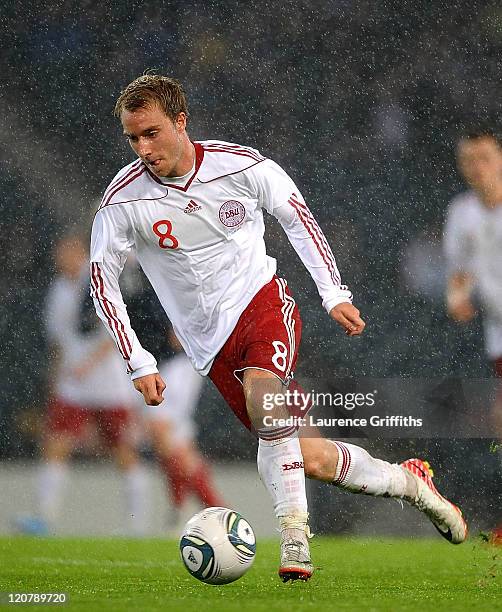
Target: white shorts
181, 396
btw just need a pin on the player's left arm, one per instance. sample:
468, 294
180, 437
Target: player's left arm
278, 194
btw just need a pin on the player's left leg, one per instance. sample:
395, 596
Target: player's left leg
352, 468
116, 427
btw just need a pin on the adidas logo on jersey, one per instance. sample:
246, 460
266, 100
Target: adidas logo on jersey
191, 207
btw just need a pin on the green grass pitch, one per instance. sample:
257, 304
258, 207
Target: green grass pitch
351, 574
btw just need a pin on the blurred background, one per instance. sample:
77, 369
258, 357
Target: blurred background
361, 103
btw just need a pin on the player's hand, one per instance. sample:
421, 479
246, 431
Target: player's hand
152, 387
348, 317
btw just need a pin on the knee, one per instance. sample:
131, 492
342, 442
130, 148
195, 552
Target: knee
258, 389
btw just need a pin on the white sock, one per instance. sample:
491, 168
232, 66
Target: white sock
280, 465
51, 481
359, 472
136, 489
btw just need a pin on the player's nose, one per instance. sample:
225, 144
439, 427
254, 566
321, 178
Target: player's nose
143, 149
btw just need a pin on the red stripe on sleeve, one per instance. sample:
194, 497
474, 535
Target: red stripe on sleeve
109, 310
120, 326
304, 219
319, 233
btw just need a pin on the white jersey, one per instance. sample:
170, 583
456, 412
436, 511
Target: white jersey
473, 244
199, 240
181, 396
106, 385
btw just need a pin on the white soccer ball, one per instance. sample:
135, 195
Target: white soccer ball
217, 546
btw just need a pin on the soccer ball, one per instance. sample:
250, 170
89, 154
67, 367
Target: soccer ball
217, 546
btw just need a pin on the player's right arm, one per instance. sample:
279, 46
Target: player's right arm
111, 240
458, 252
151, 387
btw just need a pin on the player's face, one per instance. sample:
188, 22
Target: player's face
156, 139
480, 162
70, 257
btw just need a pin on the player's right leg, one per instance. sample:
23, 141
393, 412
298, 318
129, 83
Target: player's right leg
254, 365
280, 464
285, 486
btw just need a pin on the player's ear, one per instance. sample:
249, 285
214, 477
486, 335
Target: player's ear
181, 122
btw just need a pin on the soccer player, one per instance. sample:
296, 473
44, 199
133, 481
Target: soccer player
473, 247
87, 386
173, 432
193, 212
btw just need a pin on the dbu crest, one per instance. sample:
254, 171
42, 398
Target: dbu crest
232, 213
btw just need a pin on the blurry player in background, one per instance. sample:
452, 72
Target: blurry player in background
172, 430
473, 247
87, 385
193, 213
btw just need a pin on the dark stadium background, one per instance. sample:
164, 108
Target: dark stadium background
361, 102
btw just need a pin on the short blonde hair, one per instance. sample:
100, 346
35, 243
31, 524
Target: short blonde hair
151, 89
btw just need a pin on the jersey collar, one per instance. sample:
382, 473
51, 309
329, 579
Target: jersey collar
199, 156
